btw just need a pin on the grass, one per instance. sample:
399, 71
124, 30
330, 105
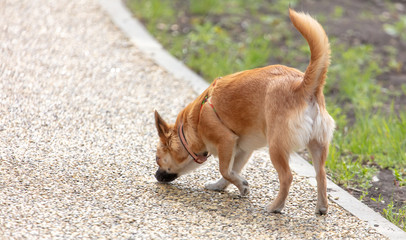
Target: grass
396, 215
215, 38
397, 29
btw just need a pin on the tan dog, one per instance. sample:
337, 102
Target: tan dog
276, 106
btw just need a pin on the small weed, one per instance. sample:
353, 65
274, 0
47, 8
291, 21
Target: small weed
397, 29
338, 12
404, 89
363, 195
396, 216
379, 200
400, 179
393, 62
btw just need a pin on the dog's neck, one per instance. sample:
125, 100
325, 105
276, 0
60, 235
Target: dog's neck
189, 117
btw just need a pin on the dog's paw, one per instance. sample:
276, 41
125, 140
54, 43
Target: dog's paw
244, 189
274, 209
219, 185
321, 210
213, 187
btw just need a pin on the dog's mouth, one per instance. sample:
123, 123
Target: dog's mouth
163, 176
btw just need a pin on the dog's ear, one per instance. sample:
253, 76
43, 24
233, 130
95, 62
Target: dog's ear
161, 126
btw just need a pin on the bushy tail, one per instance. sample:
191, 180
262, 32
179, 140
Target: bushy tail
317, 39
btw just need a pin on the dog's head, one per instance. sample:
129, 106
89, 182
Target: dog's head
171, 157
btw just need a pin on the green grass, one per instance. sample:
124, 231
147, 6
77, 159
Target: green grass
373, 139
397, 29
396, 215
215, 38
354, 72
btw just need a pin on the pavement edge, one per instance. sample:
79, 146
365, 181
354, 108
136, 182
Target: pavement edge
138, 35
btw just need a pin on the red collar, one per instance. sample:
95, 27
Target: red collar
197, 158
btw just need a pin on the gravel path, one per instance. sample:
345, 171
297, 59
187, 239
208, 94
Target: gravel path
77, 143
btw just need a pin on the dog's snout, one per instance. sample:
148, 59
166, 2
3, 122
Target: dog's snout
163, 176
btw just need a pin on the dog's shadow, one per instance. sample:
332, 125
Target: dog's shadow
199, 198
229, 205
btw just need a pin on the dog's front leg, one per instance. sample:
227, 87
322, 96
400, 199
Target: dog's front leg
240, 159
227, 152
225, 141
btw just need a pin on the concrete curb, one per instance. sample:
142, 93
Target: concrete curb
136, 32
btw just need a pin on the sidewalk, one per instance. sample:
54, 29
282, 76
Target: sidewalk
77, 143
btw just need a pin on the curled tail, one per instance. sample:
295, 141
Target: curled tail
313, 32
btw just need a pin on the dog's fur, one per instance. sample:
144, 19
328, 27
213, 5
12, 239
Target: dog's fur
276, 106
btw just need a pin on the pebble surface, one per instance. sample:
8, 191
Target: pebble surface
77, 143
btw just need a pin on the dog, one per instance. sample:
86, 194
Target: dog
276, 105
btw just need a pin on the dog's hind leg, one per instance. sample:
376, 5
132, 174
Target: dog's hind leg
280, 160
240, 160
319, 154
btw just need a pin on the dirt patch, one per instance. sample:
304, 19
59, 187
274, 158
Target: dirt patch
385, 188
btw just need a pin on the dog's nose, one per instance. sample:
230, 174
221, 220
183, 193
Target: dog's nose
163, 176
